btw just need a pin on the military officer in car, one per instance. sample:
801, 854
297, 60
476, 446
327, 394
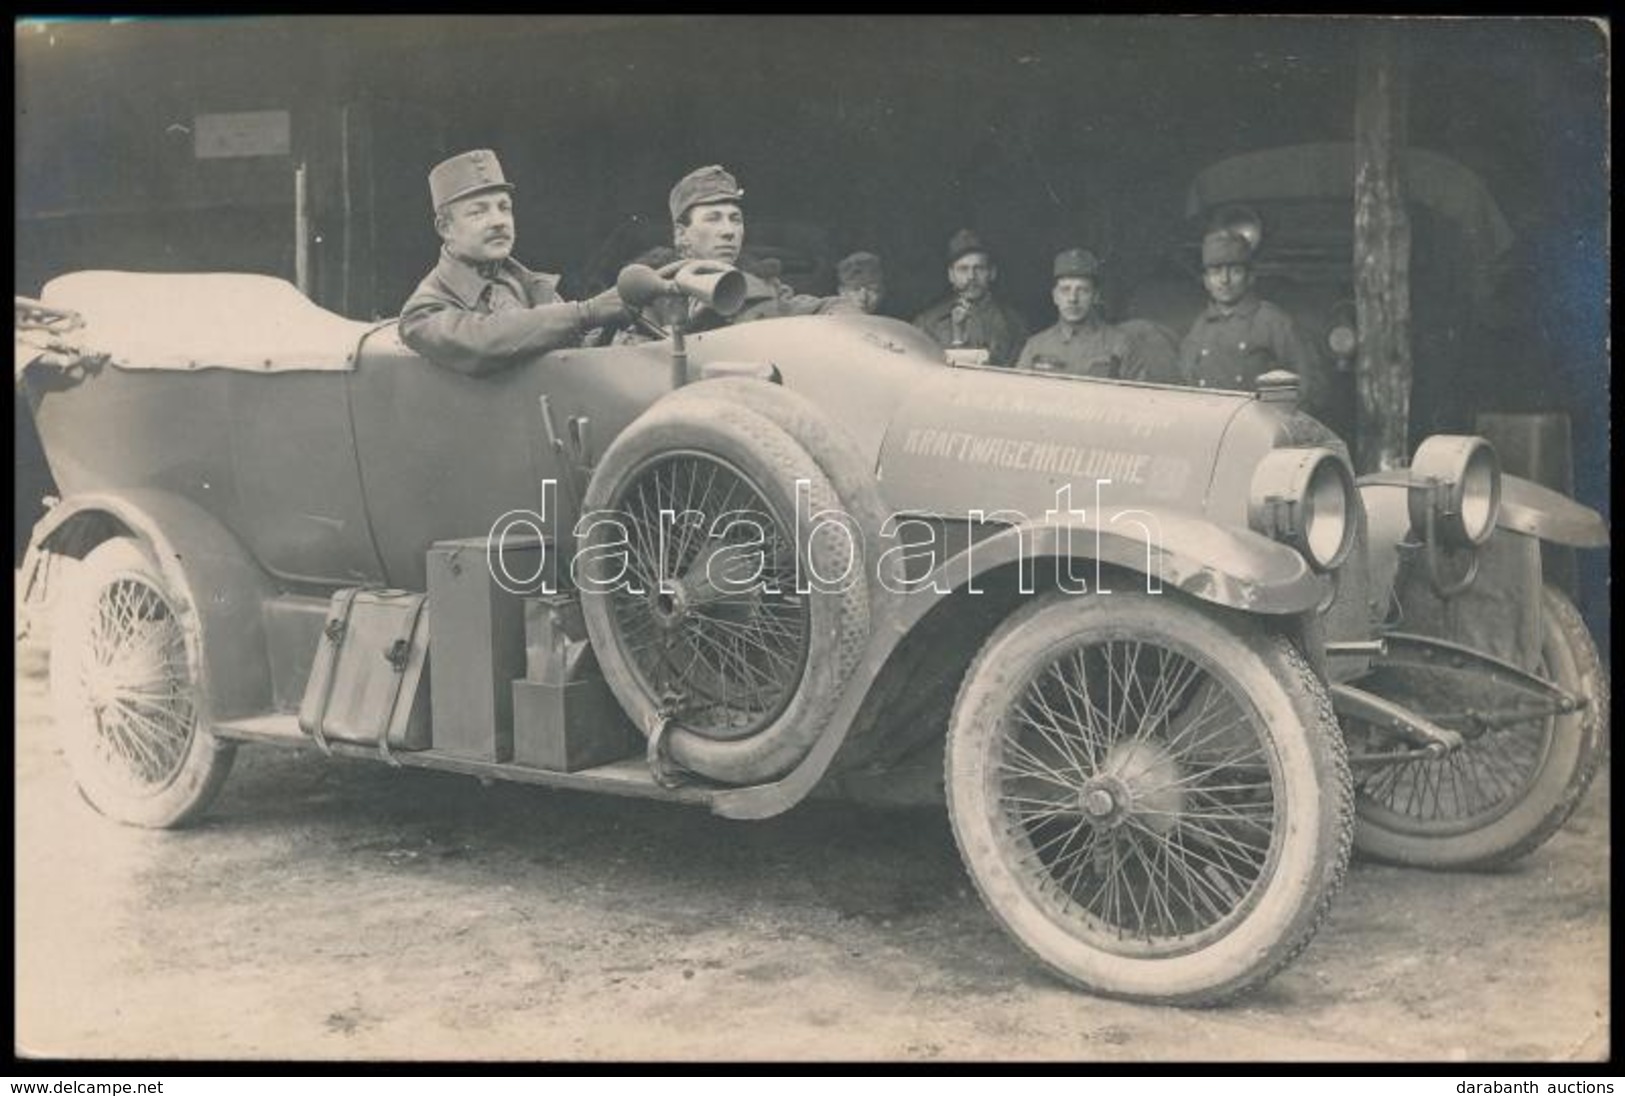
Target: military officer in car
479, 310
1238, 335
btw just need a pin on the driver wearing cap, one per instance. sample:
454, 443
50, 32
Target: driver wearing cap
479, 310
708, 223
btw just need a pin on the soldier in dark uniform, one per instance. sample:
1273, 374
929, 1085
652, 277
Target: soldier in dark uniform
479, 310
1238, 336
972, 318
860, 286
708, 223
1080, 343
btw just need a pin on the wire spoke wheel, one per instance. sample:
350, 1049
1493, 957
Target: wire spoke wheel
1512, 783
710, 612
1154, 803
125, 691
137, 685
1140, 793
1460, 791
733, 608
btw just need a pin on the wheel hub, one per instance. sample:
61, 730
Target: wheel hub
1140, 780
669, 605
1105, 801
720, 584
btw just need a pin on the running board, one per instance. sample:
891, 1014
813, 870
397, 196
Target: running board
630, 776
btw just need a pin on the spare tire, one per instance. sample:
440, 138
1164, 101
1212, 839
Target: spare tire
706, 601
830, 445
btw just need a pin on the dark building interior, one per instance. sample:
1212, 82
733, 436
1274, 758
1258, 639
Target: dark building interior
876, 132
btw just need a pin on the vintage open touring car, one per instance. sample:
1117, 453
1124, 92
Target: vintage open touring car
1160, 653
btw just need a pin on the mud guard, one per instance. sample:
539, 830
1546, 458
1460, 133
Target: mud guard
1526, 507
196, 554
1529, 508
1236, 569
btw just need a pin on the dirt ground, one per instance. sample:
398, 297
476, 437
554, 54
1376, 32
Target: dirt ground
335, 910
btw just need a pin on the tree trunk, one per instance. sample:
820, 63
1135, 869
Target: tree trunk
1382, 254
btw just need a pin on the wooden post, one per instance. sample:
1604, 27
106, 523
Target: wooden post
1382, 253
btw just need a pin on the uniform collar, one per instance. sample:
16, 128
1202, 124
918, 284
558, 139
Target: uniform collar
468, 280
1244, 308
1068, 331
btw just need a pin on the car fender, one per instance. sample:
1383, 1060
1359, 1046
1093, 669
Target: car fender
1529, 508
198, 556
1526, 507
1234, 568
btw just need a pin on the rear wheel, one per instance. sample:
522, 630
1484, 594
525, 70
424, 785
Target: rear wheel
125, 692
1154, 803
1510, 786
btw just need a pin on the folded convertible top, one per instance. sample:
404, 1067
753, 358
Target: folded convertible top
203, 321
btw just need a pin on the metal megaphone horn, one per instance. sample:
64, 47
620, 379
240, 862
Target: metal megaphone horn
723, 290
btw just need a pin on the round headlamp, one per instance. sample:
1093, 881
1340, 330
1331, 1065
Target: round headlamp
1458, 479
1341, 341
1305, 498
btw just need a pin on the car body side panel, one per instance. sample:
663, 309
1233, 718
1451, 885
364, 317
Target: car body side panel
269, 456
112, 429
444, 455
299, 502
999, 440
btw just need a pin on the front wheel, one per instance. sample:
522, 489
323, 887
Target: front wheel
125, 692
1154, 803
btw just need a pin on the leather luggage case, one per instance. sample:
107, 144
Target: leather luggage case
367, 684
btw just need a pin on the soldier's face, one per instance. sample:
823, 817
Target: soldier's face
866, 297
715, 231
1227, 283
971, 275
479, 228
1074, 298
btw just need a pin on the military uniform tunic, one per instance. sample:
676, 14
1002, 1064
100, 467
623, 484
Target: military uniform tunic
1089, 349
990, 325
478, 318
1229, 349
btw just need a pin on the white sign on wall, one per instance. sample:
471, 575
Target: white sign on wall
247, 133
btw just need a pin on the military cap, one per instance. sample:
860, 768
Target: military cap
859, 268
1076, 262
464, 174
702, 186
1223, 248
963, 243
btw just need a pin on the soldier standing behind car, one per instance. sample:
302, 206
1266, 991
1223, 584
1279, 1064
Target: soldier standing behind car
860, 286
1238, 336
972, 319
479, 310
1080, 343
